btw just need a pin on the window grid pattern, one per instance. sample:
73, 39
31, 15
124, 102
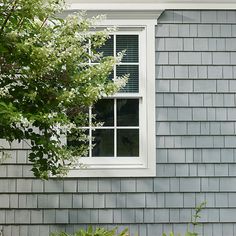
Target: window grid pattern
126, 138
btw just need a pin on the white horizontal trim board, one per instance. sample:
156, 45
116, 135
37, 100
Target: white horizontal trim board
150, 7
115, 13
150, 1
111, 172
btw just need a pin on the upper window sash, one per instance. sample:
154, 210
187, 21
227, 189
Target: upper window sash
123, 67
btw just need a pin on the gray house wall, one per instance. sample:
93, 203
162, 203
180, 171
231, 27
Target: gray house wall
196, 155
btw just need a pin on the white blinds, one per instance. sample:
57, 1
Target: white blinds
130, 61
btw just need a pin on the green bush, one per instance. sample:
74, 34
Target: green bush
186, 234
94, 232
194, 221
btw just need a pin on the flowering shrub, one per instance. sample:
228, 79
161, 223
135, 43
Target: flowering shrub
47, 81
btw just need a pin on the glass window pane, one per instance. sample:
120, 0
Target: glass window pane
104, 111
132, 85
130, 44
108, 47
104, 143
127, 142
127, 112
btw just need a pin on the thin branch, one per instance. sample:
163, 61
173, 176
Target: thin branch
27, 143
8, 16
43, 22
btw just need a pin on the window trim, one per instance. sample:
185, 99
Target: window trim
122, 95
150, 7
146, 165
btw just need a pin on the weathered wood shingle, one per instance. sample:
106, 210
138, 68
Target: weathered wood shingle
195, 138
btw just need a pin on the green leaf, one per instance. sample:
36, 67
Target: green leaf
90, 230
43, 75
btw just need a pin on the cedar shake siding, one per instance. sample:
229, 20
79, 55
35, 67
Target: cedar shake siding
195, 142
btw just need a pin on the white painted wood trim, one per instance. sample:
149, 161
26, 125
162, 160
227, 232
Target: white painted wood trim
116, 11
150, 96
150, 7
121, 172
145, 165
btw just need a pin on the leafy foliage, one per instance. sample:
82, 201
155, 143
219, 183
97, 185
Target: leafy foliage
186, 234
196, 216
47, 81
94, 232
197, 212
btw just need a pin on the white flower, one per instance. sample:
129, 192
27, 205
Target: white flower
120, 81
21, 122
4, 91
50, 115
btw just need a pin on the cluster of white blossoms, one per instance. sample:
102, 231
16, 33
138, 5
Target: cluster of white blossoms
71, 94
50, 115
63, 127
21, 122
5, 90
67, 128
61, 130
120, 82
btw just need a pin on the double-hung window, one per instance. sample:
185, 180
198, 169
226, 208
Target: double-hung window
125, 144
120, 134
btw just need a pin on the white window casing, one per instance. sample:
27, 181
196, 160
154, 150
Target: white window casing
145, 164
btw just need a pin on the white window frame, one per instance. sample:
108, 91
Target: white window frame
113, 162
145, 165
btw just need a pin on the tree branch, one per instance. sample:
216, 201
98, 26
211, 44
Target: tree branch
8, 16
43, 22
